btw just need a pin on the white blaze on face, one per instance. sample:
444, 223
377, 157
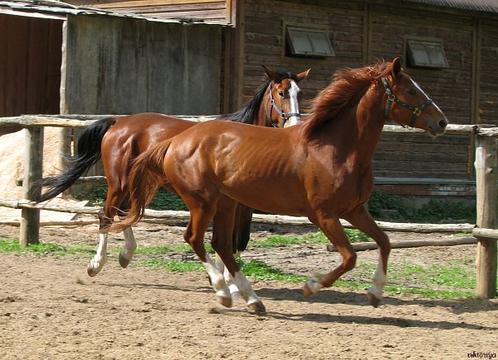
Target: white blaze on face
294, 105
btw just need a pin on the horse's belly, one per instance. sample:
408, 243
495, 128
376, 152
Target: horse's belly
269, 198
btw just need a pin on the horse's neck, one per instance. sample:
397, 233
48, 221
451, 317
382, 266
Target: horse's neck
356, 131
263, 112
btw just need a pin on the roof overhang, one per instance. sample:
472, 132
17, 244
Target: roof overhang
59, 11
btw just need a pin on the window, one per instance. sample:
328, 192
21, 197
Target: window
426, 54
308, 42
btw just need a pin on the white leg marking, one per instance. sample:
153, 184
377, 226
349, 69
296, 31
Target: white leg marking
216, 277
294, 105
100, 258
234, 290
314, 285
245, 288
219, 263
130, 244
379, 280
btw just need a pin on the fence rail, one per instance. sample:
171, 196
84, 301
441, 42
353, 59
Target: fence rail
486, 189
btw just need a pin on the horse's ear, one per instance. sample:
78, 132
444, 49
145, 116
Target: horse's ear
270, 74
396, 67
303, 75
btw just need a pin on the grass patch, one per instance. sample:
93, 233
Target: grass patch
454, 280
261, 271
172, 265
45, 248
311, 238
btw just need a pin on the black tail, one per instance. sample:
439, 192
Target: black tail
88, 153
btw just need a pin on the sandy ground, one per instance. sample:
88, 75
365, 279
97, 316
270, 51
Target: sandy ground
50, 309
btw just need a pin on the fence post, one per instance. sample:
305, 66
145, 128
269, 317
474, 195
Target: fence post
486, 202
33, 170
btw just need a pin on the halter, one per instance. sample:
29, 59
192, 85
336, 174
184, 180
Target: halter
273, 106
392, 98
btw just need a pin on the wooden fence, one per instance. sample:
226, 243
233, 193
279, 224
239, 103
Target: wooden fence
486, 189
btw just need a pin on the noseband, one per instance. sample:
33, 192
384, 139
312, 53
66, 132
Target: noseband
392, 98
273, 106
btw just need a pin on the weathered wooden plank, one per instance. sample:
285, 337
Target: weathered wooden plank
486, 165
363, 246
257, 218
33, 170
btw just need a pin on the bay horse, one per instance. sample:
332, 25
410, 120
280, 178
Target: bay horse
119, 140
321, 169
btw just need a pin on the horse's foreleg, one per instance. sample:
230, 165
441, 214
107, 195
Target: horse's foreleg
332, 228
130, 246
361, 219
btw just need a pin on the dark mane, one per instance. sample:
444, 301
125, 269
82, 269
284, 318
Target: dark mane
249, 113
345, 90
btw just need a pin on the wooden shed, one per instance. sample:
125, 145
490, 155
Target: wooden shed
60, 58
56, 57
449, 46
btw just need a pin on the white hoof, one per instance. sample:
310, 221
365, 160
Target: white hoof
95, 266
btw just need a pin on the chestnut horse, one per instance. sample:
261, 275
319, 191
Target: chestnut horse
321, 169
119, 140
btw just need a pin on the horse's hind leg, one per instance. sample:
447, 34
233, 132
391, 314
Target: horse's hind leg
106, 216
100, 258
332, 228
361, 219
130, 246
200, 217
224, 221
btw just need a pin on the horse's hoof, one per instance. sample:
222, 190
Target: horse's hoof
124, 262
373, 300
225, 301
307, 291
91, 271
311, 287
257, 308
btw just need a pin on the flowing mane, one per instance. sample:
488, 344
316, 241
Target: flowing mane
249, 112
346, 89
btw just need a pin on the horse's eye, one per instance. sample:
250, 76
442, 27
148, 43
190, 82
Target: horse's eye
281, 93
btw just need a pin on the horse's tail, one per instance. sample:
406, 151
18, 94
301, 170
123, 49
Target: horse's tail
88, 153
146, 176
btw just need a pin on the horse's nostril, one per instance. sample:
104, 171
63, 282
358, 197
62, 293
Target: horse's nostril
443, 123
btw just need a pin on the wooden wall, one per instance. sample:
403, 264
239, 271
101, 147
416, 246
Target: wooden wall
488, 72
120, 66
30, 60
210, 11
363, 32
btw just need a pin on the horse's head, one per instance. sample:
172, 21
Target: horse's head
284, 94
408, 104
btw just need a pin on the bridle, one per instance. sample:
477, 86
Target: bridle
392, 98
273, 106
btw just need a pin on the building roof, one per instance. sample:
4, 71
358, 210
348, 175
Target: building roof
59, 10
490, 6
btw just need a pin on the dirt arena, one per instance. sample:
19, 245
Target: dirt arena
50, 309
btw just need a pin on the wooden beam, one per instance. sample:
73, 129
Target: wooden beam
410, 244
33, 170
257, 218
486, 202
485, 233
